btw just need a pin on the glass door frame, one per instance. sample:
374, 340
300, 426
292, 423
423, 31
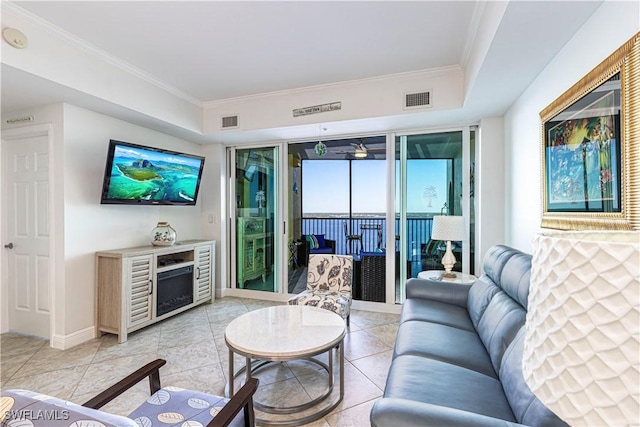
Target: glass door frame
279, 223
391, 200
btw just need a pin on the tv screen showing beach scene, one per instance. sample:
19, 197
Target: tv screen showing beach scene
135, 174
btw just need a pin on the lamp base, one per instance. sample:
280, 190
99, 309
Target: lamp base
446, 275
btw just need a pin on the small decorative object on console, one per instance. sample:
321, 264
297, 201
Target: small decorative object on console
163, 235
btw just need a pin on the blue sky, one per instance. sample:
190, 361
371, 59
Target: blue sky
326, 190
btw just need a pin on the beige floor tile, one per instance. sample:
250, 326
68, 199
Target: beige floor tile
357, 416
102, 375
182, 358
375, 367
385, 333
283, 393
50, 359
197, 358
362, 344
188, 335
124, 404
218, 313
13, 346
319, 423
60, 383
9, 368
139, 342
370, 319
206, 379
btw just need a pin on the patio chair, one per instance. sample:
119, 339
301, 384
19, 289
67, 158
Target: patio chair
322, 246
350, 238
329, 280
167, 406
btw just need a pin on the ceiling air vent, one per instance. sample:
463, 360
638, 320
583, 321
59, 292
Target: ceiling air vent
230, 122
417, 100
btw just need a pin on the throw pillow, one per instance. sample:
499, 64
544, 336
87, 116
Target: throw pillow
320, 240
313, 243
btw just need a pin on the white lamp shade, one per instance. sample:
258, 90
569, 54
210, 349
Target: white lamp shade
448, 228
582, 342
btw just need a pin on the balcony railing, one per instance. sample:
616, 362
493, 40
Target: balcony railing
373, 231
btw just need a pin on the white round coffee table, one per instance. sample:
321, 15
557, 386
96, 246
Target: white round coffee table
284, 333
460, 279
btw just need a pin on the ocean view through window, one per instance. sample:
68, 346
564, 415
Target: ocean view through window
330, 198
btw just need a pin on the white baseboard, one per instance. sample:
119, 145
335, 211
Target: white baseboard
63, 342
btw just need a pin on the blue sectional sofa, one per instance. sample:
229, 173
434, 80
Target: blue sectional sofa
458, 354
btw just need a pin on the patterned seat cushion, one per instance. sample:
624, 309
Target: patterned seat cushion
173, 406
332, 301
27, 408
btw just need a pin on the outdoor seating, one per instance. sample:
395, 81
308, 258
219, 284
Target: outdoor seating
350, 238
373, 273
329, 281
321, 246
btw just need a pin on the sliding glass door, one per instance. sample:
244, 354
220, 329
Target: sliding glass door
433, 172
256, 216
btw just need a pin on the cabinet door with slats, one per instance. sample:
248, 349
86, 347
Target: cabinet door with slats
204, 272
140, 275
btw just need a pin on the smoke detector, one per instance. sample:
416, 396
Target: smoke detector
14, 37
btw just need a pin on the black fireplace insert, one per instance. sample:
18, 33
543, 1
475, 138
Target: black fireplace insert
174, 289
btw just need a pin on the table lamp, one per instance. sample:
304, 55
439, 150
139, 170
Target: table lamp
582, 341
448, 228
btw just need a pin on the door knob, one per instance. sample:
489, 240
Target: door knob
9, 246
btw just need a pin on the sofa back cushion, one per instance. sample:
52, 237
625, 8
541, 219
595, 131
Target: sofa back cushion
487, 286
526, 407
500, 323
497, 300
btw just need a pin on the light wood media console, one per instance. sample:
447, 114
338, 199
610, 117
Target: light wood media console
127, 284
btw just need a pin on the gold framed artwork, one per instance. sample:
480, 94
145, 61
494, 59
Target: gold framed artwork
591, 148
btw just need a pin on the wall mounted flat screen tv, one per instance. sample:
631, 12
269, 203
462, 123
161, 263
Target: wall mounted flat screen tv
135, 174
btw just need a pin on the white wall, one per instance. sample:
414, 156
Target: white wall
490, 205
81, 225
90, 226
613, 24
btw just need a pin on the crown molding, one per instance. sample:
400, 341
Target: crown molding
427, 73
78, 43
478, 11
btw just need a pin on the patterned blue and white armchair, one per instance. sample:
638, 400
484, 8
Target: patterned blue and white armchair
329, 281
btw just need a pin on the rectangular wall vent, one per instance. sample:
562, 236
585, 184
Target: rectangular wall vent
417, 100
229, 122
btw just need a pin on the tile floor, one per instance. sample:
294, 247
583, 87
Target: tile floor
193, 345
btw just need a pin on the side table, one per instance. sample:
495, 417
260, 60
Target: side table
460, 279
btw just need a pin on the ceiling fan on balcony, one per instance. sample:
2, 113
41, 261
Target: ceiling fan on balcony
360, 150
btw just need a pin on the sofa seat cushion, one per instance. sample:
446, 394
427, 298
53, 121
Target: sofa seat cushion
322, 250
437, 312
436, 382
444, 343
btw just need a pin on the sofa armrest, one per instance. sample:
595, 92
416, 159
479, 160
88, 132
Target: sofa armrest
438, 291
331, 244
393, 412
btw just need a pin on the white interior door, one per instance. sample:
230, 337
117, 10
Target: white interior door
25, 177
